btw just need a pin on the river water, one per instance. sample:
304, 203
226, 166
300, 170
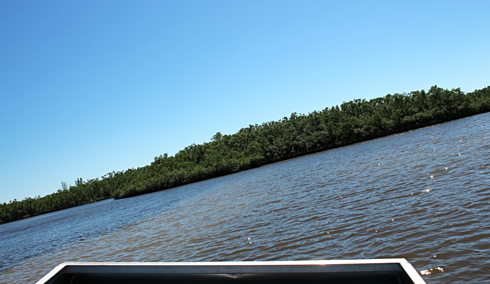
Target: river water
422, 195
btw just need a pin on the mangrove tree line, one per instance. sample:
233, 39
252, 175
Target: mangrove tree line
257, 145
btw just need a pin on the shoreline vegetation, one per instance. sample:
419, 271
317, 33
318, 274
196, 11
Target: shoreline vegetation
257, 145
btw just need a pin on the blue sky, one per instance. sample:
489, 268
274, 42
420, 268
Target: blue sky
88, 87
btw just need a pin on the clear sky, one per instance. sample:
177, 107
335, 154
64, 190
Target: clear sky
89, 87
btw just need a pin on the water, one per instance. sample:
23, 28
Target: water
422, 195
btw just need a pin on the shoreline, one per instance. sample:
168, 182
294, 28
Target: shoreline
258, 145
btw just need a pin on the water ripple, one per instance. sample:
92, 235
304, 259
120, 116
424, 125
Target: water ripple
422, 195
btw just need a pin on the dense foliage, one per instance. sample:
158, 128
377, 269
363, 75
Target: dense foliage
257, 145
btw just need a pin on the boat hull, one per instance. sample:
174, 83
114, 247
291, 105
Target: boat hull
319, 271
